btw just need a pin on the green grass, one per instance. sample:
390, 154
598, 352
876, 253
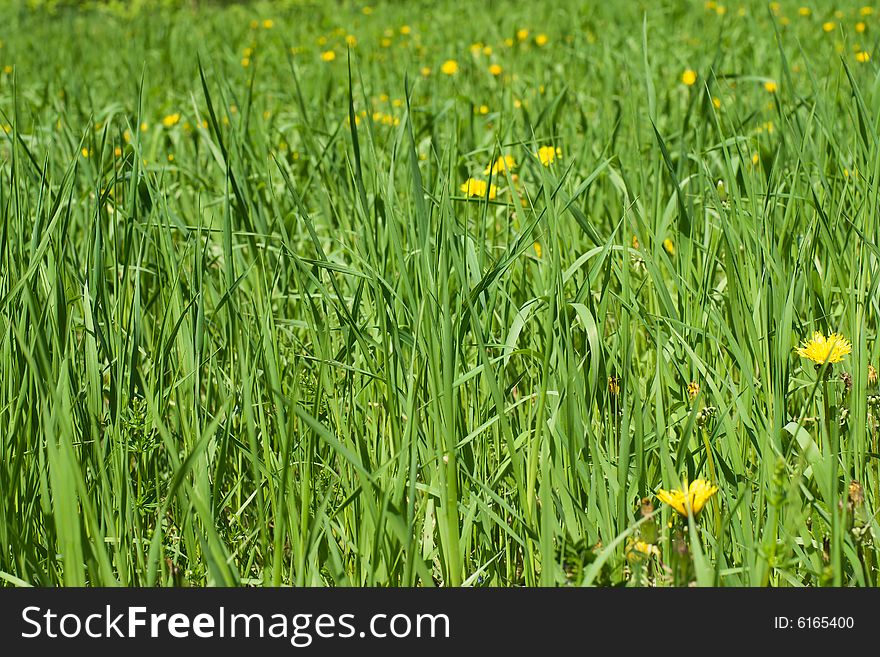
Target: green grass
273, 343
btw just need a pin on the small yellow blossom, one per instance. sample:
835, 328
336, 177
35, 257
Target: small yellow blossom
268, 24
690, 502
385, 42
770, 86
689, 77
502, 164
117, 151
863, 56
614, 385
483, 109
860, 27
328, 55
716, 102
351, 40
547, 154
405, 29
668, 246
449, 67
635, 242
828, 26
86, 152
804, 11
171, 120
538, 250
474, 187
7, 70
425, 71
522, 34
820, 349
145, 126
693, 390
541, 40
866, 11
495, 70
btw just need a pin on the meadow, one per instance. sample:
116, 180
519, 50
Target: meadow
439, 294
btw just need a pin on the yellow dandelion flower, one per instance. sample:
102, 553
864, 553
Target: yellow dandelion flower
117, 151
483, 109
405, 29
541, 40
755, 159
245, 62
522, 34
547, 154
770, 86
478, 188
171, 120
716, 102
668, 246
804, 11
487, 50
820, 349
691, 499
145, 126
425, 71
689, 77
495, 70
863, 56
449, 67
386, 42
693, 390
828, 26
866, 11
860, 27
508, 42
328, 56
351, 40
268, 24
502, 164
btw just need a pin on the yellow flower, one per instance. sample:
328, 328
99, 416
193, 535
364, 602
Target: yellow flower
425, 71
405, 29
547, 154
635, 242
614, 385
541, 40
487, 50
636, 550
863, 56
171, 120
716, 102
85, 152
351, 40
691, 502
538, 250
245, 62
828, 26
474, 187
495, 69
820, 349
770, 86
483, 109
804, 11
860, 27
268, 24
328, 56
669, 246
866, 11
7, 69
689, 77
522, 34
449, 67
506, 163
386, 42
693, 390
117, 151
